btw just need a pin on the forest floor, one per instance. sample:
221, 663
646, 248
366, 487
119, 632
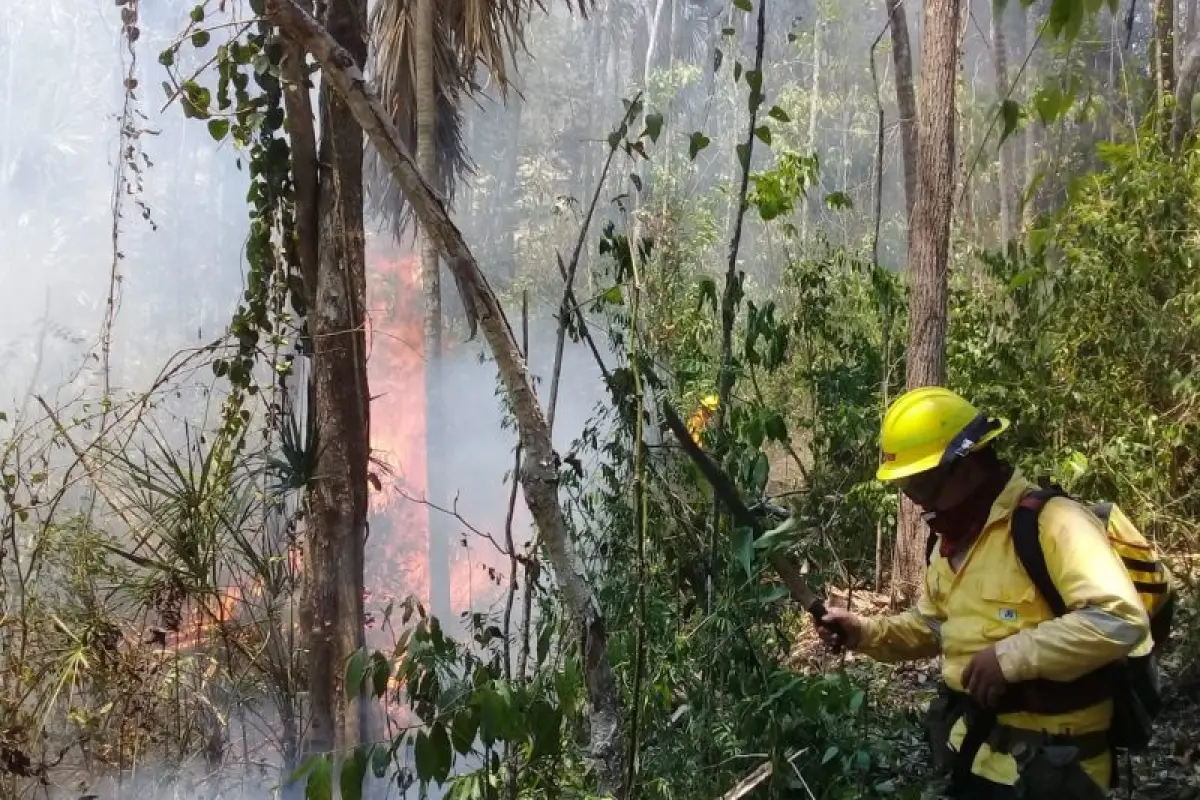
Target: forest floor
1170, 769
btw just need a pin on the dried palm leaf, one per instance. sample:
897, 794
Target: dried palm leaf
471, 35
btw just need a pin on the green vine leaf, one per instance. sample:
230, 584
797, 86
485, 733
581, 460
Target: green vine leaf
218, 129
1010, 113
697, 143
654, 125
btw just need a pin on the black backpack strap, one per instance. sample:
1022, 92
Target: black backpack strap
930, 545
1028, 546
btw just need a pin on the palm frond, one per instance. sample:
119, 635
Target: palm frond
469, 35
392, 68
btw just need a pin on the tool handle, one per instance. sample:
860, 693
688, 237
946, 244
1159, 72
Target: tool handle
818, 611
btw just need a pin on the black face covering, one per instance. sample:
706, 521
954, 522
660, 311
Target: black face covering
958, 526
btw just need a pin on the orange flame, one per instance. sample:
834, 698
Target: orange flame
398, 545
397, 558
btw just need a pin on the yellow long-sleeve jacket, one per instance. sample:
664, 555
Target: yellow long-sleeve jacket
990, 600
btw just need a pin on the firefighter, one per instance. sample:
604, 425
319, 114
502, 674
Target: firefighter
1006, 657
703, 414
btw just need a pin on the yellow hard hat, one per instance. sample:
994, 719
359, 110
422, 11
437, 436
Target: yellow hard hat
923, 424
711, 402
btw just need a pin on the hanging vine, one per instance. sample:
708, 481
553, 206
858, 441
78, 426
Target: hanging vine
248, 109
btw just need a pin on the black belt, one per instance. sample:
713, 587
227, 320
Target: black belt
982, 727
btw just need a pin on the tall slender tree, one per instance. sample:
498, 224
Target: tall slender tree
328, 179
929, 247
906, 99
1003, 161
426, 60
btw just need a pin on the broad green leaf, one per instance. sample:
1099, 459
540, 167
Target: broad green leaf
760, 473
381, 673
356, 667
167, 57
1065, 19
776, 427
201, 38
764, 134
545, 722
778, 114
830, 754
354, 771
320, 780
654, 124
697, 143
754, 80
463, 730
743, 549
381, 760
198, 13
218, 128
442, 753
744, 5
1010, 113
780, 537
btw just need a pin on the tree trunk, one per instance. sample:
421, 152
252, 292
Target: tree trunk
906, 101
305, 179
1189, 28
1020, 169
653, 33
338, 497
928, 250
814, 103
539, 476
1003, 165
1031, 133
431, 283
1185, 91
1164, 60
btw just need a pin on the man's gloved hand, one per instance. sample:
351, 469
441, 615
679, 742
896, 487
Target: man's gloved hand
840, 621
983, 679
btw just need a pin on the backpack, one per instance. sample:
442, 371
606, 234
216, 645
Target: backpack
1137, 687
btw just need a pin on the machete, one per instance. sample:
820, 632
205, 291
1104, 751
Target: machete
728, 495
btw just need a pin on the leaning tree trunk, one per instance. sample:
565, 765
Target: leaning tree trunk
539, 469
1003, 162
928, 250
431, 283
906, 101
338, 496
